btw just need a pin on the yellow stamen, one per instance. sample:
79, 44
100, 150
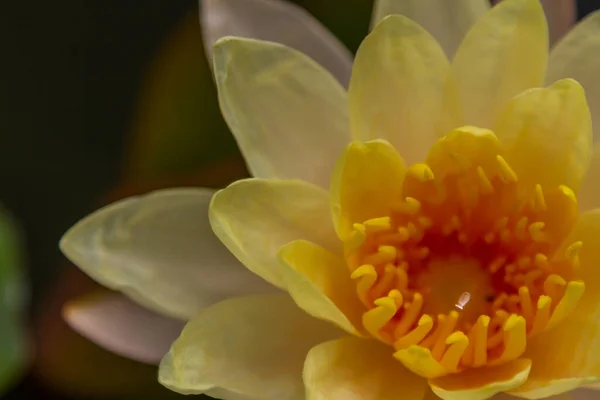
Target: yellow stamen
573, 294
440, 345
410, 315
457, 343
484, 182
421, 172
506, 172
480, 341
464, 270
378, 317
366, 277
514, 339
417, 334
539, 203
542, 315
381, 224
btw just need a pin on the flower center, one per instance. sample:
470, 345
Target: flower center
467, 265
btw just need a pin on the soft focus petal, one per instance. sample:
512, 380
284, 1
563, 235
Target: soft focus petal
247, 347
397, 85
159, 250
566, 356
447, 21
288, 115
319, 282
547, 134
482, 383
357, 369
577, 56
504, 54
561, 16
366, 182
589, 195
115, 323
276, 21
255, 217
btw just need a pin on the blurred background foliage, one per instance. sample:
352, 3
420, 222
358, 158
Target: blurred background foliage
102, 100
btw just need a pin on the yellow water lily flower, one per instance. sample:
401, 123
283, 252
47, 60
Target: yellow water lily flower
450, 255
457, 254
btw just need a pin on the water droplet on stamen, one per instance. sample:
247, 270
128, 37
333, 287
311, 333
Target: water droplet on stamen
463, 300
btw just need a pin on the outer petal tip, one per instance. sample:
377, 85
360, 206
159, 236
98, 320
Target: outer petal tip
279, 21
120, 326
159, 250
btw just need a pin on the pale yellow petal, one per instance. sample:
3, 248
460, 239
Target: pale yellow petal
255, 217
245, 348
547, 135
577, 56
367, 180
447, 21
504, 54
159, 250
396, 89
482, 383
277, 21
566, 356
357, 369
552, 388
115, 323
588, 197
319, 282
288, 115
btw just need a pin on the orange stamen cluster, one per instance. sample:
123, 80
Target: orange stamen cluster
472, 223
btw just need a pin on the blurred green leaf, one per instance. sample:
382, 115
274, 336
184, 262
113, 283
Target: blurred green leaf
13, 338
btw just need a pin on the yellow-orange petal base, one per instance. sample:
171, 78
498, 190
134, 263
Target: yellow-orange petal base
466, 266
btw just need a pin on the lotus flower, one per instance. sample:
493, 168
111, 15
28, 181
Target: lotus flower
430, 233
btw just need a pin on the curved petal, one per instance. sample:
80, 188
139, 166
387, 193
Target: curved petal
288, 115
115, 323
504, 54
357, 369
159, 250
588, 197
397, 85
255, 217
577, 56
319, 282
276, 21
561, 16
366, 181
482, 383
566, 356
448, 24
547, 134
247, 347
